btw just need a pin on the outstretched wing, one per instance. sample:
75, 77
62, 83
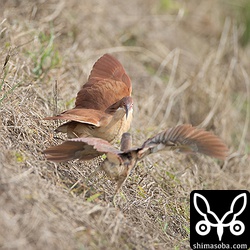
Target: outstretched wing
107, 84
80, 148
108, 67
88, 116
185, 139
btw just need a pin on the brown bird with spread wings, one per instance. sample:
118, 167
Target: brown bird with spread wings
119, 163
103, 106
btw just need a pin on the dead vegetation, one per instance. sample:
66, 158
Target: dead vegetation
186, 65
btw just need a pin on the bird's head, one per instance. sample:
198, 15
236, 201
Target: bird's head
127, 104
126, 142
123, 106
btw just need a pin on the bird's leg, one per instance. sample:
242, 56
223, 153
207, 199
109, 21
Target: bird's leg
125, 171
120, 181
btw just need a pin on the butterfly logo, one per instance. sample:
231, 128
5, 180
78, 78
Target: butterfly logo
229, 219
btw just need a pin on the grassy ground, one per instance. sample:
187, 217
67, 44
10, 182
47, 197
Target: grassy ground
187, 63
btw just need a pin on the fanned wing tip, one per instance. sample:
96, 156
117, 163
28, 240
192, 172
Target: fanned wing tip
108, 82
70, 150
204, 142
188, 139
108, 67
79, 148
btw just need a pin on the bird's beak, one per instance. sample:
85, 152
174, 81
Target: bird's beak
127, 108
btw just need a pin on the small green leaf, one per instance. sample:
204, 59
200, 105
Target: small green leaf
187, 229
19, 157
172, 176
93, 197
141, 192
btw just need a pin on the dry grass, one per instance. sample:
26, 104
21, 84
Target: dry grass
186, 65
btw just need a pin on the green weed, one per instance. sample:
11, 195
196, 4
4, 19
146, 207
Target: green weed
47, 57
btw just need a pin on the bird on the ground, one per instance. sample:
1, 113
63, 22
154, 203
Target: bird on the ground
119, 163
103, 106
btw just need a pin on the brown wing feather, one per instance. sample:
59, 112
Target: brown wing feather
80, 148
186, 139
107, 84
69, 150
108, 67
88, 116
